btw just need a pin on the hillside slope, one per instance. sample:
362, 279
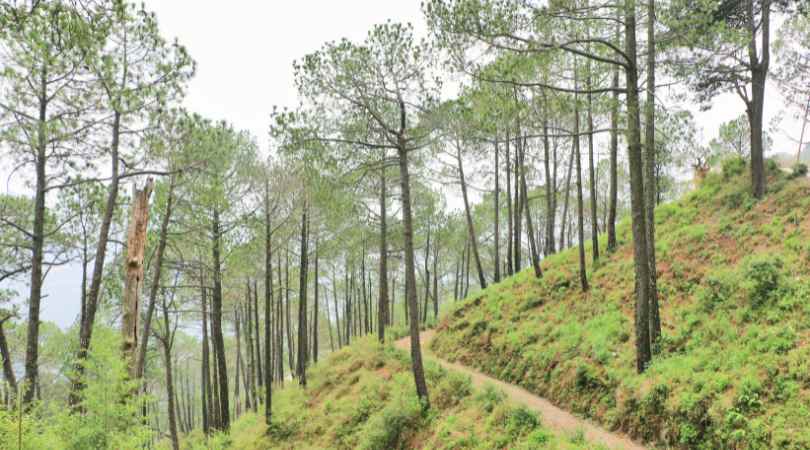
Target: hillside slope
363, 397
734, 363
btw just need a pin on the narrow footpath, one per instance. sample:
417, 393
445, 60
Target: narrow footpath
555, 419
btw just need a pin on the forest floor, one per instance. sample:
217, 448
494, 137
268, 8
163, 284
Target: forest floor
558, 421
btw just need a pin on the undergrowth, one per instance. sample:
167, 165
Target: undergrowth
734, 364
363, 397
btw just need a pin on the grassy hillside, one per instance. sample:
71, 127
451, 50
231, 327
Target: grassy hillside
363, 397
734, 365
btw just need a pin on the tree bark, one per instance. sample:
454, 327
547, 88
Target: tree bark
592, 169
383, 300
133, 281
8, 369
216, 325
315, 307
510, 218
614, 163
302, 301
91, 304
167, 354
37, 249
410, 268
567, 198
205, 366
268, 307
497, 277
650, 184
155, 285
642, 267
551, 206
538, 272
583, 277
482, 281
756, 106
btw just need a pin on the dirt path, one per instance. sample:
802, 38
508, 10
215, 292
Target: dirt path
555, 419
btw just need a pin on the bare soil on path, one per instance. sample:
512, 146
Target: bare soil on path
555, 419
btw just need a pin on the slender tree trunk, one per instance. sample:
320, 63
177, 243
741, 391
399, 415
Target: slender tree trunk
37, 249
592, 168
216, 326
257, 339
567, 197
551, 207
250, 370
538, 272
91, 304
302, 300
268, 307
290, 344
650, 188
510, 218
383, 300
207, 406
518, 210
614, 163
337, 310
236, 394
583, 277
315, 308
8, 369
497, 216
410, 268
756, 107
470, 226
133, 281
167, 355
155, 285
642, 267
436, 278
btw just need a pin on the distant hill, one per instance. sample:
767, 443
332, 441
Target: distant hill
734, 365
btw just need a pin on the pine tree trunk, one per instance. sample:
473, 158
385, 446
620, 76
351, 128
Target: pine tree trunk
268, 308
155, 285
497, 277
91, 303
470, 226
538, 272
510, 229
383, 300
583, 277
216, 326
650, 184
642, 267
614, 163
410, 268
302, 300
206, 390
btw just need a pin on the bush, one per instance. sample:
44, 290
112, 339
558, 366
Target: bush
763, 276
490, 397
385, 429
452, 389
799, 170
733, 167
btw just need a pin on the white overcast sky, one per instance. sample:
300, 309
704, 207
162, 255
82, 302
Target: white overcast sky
245, 48
244, 51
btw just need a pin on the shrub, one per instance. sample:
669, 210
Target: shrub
733, 167
799, 170
490, 397
385, 429
763, 276
452, 389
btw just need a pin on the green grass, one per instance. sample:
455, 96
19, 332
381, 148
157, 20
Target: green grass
734, 366
363, 397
